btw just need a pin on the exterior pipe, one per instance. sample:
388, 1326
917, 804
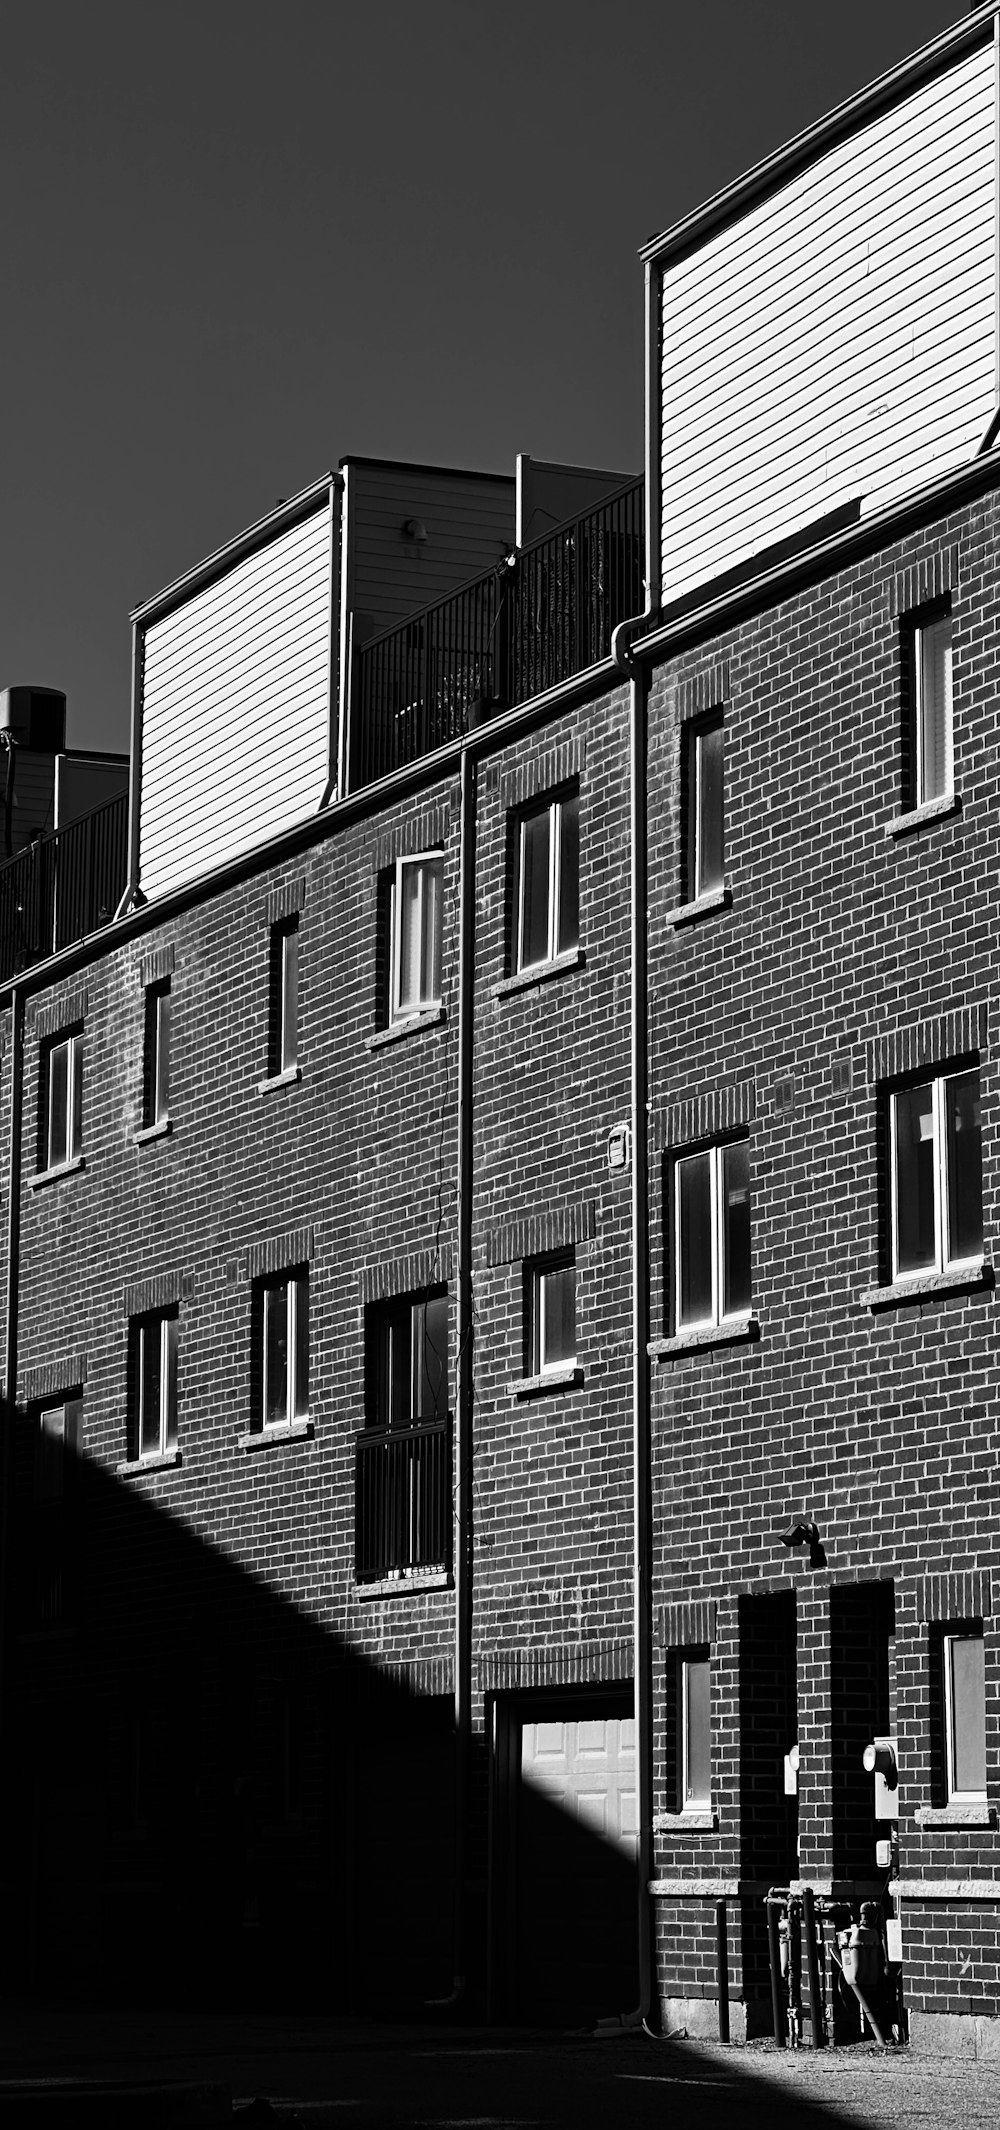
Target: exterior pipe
817, 2035
774, 1961
463, 1429
722, 1969
10, 1325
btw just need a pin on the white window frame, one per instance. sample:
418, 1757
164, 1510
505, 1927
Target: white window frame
284, 1036
158, 1030
164, 1329
942, 1189
554, 808
922, 630
72, 1148
718, 1315
689, 1802
538, 1276
956, 1796
293, 1283
421, 863
698, 885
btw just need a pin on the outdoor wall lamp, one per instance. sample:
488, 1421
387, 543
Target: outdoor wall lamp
804, 1533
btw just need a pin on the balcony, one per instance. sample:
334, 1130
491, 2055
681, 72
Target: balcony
64, 885
546, 613
402, 1498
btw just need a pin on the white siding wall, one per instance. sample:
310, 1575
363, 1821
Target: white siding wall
839, 339
236, 709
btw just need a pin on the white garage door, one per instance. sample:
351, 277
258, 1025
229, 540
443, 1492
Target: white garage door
588, 1769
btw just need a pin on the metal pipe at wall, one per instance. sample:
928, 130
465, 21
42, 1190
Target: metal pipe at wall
16, 1068
463, 1432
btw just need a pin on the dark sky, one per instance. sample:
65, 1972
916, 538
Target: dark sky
241, 238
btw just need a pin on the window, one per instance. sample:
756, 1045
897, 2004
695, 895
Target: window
547, 900
929, 662
403, 1497
156, 1056
692, 1723
153, 1430
964, 1657
415, 936
408, 1360
60, 1430
936, 1160
62, 1084
58, 1444
551, 1314
712, 1235
704, 795
282, 1308
283, 1014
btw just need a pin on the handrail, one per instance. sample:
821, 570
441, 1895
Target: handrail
547, 611
402, 1479
65, 884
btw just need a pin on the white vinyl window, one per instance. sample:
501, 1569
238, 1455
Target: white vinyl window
705, 808
284, 1323
932, 688
284, 1014
548, 882
409, 1361
937, 1187
551, 1303
694, 1731
712, 1235
965, 1718
64, 1102
155, 1391
415, 934
156, 1062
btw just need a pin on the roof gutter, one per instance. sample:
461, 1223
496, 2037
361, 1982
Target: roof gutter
805, 148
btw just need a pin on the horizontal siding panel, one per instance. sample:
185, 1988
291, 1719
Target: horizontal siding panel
236, 710
839, 339
470, 525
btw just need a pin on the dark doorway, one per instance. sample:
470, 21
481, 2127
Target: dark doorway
769, 1812
862, 1623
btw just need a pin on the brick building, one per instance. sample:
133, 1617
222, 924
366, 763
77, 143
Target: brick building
504, 1214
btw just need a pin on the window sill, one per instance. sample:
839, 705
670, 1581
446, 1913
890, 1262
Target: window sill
398, 1030
719, 898
541, 972
564, 1378
407, 1584
950, 802
148, 1132
961, 1279
64, 1168
264, 1438
740, 1331
685, 1822
131, 1467
956, 1816
289, 1078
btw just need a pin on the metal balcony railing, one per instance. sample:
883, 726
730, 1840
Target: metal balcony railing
402, 1500
67, 883
544, 614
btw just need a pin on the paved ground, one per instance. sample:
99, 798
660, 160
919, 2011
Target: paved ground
395, 2078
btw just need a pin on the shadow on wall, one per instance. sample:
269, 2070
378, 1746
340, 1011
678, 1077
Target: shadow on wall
219, 1803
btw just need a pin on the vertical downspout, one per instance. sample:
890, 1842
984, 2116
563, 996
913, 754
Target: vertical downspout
642, 1475
10, 1331
463, 1425
135, 777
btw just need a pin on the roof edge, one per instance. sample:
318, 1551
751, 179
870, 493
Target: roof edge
836, 125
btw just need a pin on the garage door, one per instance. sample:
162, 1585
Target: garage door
576, 1871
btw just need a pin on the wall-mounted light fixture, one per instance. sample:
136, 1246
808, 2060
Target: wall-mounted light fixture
803, 1532
414, 529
